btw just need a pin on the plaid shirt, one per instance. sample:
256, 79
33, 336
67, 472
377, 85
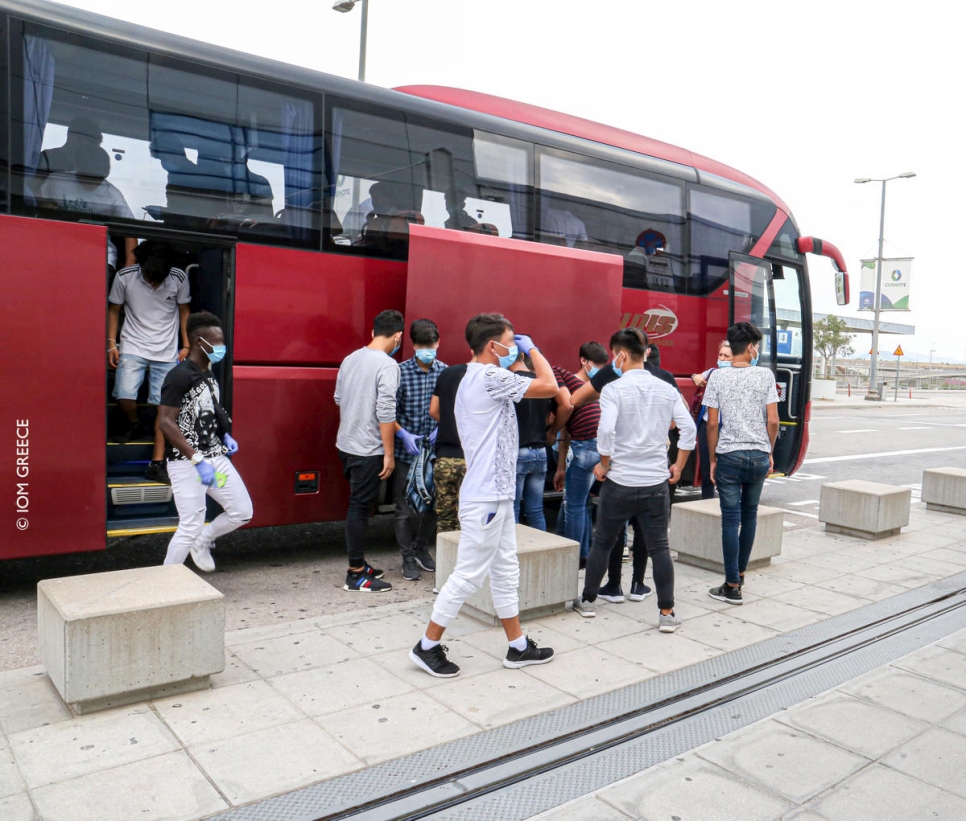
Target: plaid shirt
412, 401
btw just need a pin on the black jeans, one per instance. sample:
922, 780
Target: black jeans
413, 532
651, 506
704, 459
363, 475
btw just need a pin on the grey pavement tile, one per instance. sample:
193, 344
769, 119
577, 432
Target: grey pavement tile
268, 631
89, 744
289, 654
862, 587
272, 761
464, 624
856, 725
842, 561
588, 672
766, 584
956, 724
776, 615
17, 807
208, 715
909, 574
339, 686
164, 788
822, 600
10, 780
938, 663
661, 652
584, 809
471, 660
499, 697
877, 793
693, 790
395, 726
804, 815
610, 623
937, 567
725, 630
788, 762
952, 555
802, 573
908, 694
957, 642
493, 642
30, 700
927, 538
235, 672
393, 632
936, 756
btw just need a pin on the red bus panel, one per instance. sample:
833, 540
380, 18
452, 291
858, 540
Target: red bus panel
561, 296
53, 323
285, 421
305, 308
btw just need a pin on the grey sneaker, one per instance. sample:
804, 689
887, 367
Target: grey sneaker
201, 554
587, 609
410, 571
668, 623
425, 559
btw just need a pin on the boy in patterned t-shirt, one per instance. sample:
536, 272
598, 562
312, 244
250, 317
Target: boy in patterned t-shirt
486, 420
195, 427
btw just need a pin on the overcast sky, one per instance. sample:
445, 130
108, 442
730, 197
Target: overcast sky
804, 97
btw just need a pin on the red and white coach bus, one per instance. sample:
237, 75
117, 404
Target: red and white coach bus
261, 176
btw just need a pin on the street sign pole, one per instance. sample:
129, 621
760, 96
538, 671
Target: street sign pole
897, 353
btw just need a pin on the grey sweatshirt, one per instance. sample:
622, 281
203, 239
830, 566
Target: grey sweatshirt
365, 391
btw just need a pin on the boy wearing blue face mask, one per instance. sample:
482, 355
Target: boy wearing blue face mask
195, 427
417, 380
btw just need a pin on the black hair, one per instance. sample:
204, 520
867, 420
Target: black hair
632, 340
424, 332
594, 352
484, 327
741, 335
654, 355
201, 321
388, 323
154, 248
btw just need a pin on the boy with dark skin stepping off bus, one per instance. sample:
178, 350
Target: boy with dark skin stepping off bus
487, 426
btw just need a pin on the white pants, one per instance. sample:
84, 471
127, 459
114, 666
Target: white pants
189, 498
488, 545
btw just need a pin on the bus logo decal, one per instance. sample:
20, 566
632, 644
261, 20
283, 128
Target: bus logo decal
655, 322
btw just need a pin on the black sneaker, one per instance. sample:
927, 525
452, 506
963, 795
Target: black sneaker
369, 570
612, 593
410, 571
364, 583
130, 433
531, 655
433, 661
726, 593
425, 560
158, 472
639, 591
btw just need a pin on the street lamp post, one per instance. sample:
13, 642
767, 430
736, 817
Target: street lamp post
873, 362
349, 5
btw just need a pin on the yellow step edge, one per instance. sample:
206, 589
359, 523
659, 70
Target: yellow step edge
145, 483
141, 531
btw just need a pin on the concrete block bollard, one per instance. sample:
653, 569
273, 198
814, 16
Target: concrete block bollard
944, 489
696, 534
108, 639
867, 510
548, 574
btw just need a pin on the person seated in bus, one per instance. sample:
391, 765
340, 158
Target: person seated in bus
460, 220
81, 132
561, 225
156, 298
85, 190
387, 226
651, 251
355, 217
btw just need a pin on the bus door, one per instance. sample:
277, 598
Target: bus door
560, 296
139, 504
52, 325
768, 295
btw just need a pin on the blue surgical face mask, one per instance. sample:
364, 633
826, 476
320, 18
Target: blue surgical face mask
593, 371
426, 355
724, 363
393, 351
512, 353
618, 371
754, 360
217, 352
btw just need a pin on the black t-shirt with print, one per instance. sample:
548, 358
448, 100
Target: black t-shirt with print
448, 439
195, 393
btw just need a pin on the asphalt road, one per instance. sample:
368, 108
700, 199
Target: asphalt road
278, 575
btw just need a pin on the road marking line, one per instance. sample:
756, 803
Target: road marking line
860, 430
919, 427
879, 455
798, 513
806, 502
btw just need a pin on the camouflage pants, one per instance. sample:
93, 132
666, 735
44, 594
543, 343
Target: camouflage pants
448, 473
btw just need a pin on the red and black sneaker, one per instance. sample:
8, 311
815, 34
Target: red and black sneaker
364, 583
369, 570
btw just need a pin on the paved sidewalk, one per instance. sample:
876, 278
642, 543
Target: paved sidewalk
304, 702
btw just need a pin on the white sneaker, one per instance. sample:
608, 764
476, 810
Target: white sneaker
587, 609
201, 555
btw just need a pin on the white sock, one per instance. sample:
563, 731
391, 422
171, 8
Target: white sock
519, 644
427, 644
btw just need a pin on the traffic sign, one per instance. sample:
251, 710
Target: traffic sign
898, 351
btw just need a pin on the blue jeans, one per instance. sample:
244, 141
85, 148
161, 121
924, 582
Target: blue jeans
577, 485
740, 476
531, 475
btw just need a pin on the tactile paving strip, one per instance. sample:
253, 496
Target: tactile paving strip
346, 794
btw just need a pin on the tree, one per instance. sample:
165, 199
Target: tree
830, 339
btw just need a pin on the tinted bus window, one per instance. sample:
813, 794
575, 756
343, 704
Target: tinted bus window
619, 210
504, 171
119, 134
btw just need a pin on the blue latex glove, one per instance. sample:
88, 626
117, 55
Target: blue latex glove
524, 343
433, 435
206, 472
410, 441
231, 444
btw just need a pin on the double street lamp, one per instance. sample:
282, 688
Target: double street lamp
873, 393
347, 6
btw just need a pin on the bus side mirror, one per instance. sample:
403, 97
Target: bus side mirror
841, 288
